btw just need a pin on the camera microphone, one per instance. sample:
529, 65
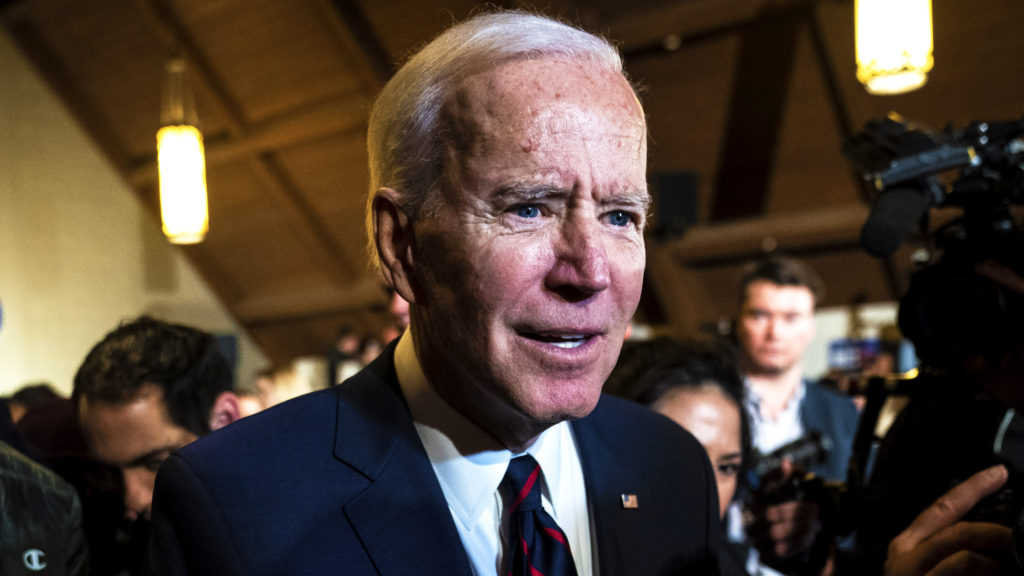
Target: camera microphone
892, 218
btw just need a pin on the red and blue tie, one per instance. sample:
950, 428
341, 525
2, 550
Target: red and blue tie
539, 547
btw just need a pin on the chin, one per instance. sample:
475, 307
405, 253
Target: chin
771, 369
581, 403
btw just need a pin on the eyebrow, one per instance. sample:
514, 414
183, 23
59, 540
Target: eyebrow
526, 191
640, 200
142, 460
523, 191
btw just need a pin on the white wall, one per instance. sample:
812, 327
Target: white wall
77, 252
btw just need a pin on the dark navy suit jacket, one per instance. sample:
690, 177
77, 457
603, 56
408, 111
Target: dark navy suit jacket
835, 417
338, 482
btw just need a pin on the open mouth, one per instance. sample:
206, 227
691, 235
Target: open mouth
566, 341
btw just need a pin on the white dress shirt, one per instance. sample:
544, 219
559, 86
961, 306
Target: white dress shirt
770, 435
470, 465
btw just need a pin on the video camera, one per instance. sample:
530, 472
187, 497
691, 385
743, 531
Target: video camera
950, 310
904, 162
772, 486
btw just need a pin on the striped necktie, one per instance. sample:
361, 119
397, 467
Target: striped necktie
539, 547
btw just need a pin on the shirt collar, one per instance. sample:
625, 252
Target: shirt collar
753, 400
468, 462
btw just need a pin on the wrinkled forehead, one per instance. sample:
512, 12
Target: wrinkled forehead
568, 124
544, 97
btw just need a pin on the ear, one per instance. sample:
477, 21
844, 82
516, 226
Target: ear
393, 234
226, 409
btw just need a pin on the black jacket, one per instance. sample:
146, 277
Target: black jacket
338, 482
40, 520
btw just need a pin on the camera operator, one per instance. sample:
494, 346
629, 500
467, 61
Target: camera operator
943, 540
964, 313
968, 328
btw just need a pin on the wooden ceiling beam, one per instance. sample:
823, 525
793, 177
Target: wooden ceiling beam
329, 258
12, 11
320, 121
638, 30
302, 218
762, 76
828, 229
351, 28
681, 296
177, 40
834, 91
888, 266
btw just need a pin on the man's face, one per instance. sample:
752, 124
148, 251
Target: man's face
135, 436
775, 327
530, 270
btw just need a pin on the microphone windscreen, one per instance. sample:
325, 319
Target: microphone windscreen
893, 216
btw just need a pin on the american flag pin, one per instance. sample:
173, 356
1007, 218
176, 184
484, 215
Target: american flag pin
630, 502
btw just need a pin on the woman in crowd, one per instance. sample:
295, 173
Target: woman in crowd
696, 383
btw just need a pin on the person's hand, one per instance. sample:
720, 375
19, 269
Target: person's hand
937, 543
787, 525
790, 527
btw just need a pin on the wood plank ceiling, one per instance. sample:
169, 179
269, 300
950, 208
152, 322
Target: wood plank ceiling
748, 103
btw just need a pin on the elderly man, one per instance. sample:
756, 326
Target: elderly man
507, 206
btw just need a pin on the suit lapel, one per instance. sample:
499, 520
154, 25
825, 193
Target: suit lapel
403, 521
401, 517
607, 480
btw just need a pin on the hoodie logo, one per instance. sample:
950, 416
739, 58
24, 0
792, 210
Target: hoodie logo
33, 559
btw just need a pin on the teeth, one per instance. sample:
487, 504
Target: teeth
566, 341
568, 344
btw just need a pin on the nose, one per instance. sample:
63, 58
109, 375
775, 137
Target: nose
581, 267
138, 492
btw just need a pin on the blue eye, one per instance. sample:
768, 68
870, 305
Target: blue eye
620, 218
528, 211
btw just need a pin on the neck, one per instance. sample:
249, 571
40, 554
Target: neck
478, 406
776, 389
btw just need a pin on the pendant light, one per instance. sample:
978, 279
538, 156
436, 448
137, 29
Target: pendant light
181, 161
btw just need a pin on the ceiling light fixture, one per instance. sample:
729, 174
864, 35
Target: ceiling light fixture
894, 44
181, 162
